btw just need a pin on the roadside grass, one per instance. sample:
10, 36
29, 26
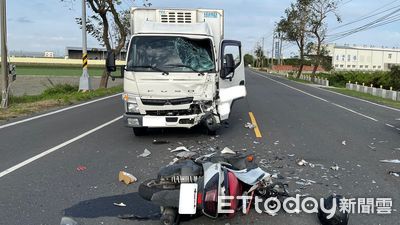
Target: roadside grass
56, 70
300, 80
365, 96
56, 96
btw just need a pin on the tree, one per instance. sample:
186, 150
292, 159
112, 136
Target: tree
294, 27
259, 52
319, 12
109, 25
248, 60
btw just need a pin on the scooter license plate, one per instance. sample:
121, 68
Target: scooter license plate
188, 199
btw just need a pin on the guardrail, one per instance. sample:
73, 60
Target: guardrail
380, 92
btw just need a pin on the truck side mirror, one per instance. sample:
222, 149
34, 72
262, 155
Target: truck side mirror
110, 62
229, 66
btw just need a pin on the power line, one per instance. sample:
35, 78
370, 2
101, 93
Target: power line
369, 15
391, 17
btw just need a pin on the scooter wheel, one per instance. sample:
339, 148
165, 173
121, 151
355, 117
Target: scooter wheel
169, 217
146, 191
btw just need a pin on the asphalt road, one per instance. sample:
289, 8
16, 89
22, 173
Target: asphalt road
296, 122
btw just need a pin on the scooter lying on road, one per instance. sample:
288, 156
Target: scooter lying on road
194, 186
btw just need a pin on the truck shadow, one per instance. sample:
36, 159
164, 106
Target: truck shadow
104, 207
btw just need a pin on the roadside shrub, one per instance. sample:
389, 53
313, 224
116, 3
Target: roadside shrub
60, 89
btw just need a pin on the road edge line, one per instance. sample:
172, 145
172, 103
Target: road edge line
55, 112
41, 155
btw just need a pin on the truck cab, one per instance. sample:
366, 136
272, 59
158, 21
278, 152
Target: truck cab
180, 72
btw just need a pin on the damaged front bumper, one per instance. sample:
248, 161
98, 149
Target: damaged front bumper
184, 121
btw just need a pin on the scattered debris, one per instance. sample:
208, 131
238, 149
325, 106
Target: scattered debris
374, 182
302, 162
291, 155
145, 154
358, 165
335, 167
68, 221
127, 178
180, 148
278, 176
160, 142
81, 168
227, 150
119, 204
186, 155
371, 147
343, 142
397, 149
396, 174
256, 142
276, 143
249, 125
391, 161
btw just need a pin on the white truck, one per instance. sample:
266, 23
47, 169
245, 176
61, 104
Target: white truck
180, 72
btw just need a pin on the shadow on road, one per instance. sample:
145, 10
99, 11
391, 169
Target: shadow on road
103, 207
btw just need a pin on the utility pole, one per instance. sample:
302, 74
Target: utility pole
262, 56
280, 51
273, 50
4, 63
84, 82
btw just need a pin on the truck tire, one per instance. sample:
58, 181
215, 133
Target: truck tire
140, 131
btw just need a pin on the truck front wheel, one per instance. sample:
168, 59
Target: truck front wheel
140, 131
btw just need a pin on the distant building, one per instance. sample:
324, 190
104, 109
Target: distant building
48, 54
93, 53
349, 58
26, 54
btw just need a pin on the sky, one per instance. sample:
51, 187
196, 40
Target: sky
39, 26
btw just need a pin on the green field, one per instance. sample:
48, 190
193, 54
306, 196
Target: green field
56, 70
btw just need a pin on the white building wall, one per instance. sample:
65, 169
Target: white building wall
350, 58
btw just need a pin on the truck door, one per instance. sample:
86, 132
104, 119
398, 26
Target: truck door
232, 78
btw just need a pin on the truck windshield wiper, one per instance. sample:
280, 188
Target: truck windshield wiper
150, 67
185, 66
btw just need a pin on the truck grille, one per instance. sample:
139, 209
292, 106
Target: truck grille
162, 102
176, 17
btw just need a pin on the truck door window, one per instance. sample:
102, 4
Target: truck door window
235, 51
172, 54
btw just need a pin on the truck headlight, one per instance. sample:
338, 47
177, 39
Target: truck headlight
133, 107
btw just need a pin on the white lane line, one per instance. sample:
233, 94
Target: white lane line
359, 99
306, 93
36, 157
319, 98
390, 125
55, 112
355, 112
397, 128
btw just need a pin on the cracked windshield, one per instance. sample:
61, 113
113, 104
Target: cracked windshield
228, 112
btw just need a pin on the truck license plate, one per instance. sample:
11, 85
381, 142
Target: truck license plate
153, 121
188, 199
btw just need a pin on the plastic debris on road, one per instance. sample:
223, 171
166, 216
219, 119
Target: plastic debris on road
396, 174
249, 126
81, 168
145, 154
344, 143
276, 143
68, 221
227, 150
119, 204
303, 162
391, 161
335, 168
180, 148
127, 178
